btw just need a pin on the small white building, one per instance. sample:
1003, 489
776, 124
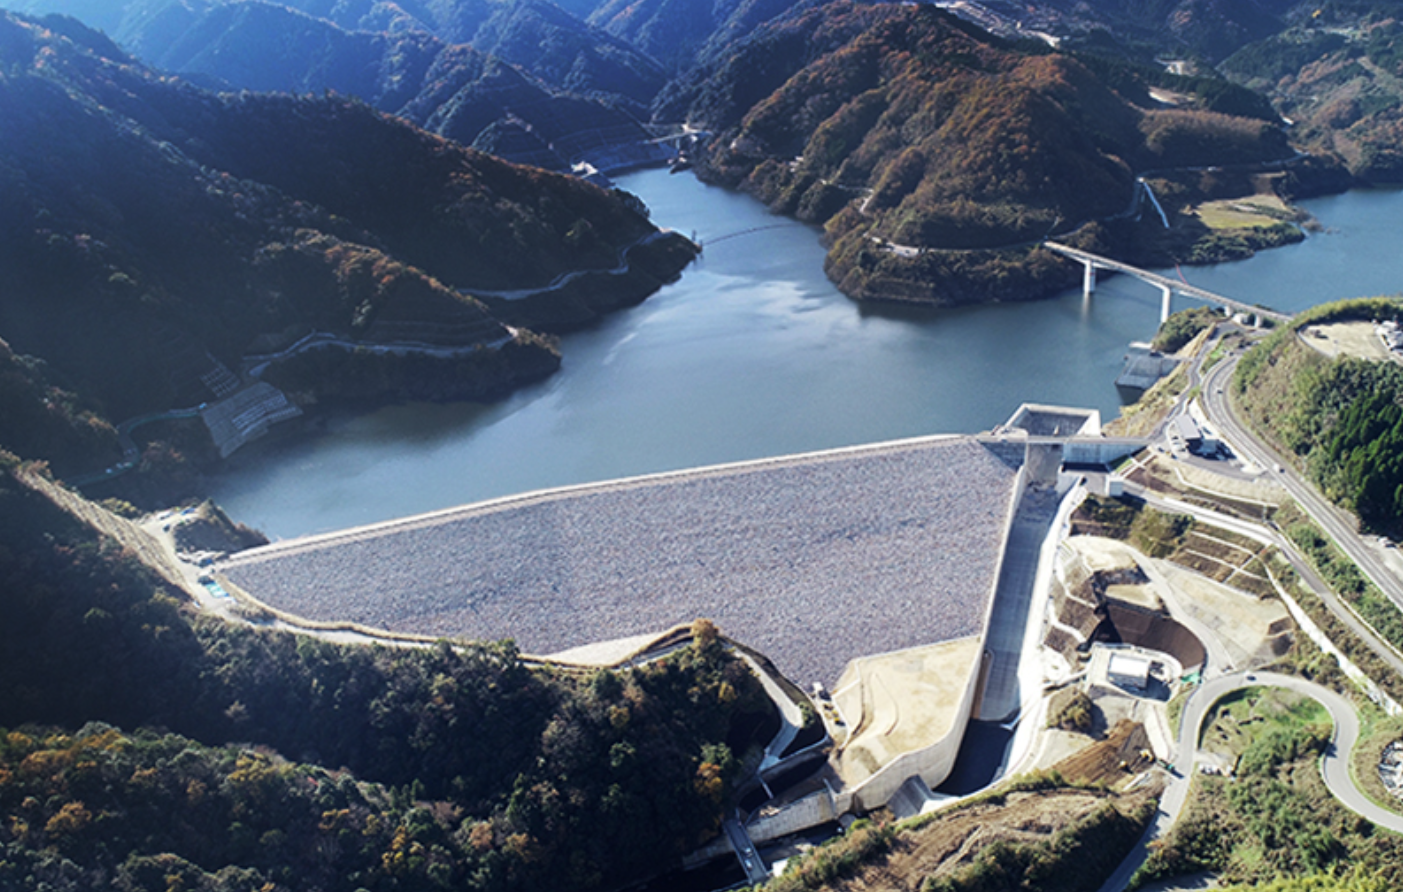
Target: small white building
1187, 430
1129, 671
1392, 337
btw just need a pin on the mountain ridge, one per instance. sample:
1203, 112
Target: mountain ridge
934, 154
155, 233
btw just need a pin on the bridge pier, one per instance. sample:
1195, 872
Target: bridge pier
1167, 295
1091, 262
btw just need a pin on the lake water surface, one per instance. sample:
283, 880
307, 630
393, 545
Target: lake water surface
754, 353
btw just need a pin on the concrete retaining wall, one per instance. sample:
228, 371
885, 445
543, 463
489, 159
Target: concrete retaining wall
1154, 631
1097, 451
811, 811
932, 764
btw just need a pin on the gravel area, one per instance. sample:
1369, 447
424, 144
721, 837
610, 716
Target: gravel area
813, 560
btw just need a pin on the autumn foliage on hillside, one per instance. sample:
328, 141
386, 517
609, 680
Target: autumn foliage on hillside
150, 229
1336, 74
902, 126
444, 767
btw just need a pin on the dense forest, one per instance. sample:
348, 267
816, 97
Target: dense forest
1341, 417
452, 766
525, 63
1330, 68
937, 155
1337, 76
389, 46
155, 233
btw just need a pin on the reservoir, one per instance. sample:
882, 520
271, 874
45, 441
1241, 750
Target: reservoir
754, 353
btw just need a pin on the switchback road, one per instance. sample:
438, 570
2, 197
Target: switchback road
1334, 764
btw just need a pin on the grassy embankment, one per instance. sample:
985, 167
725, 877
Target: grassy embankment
1185, 333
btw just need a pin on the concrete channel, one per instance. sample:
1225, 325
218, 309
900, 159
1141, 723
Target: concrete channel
1013, 600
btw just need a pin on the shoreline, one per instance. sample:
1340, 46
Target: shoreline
900, 312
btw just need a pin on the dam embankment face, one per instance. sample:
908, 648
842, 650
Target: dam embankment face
813, 560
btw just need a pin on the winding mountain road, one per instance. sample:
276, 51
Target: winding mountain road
1338, 524
620, 268
1334, 764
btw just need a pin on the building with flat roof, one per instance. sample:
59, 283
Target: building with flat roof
1129, 670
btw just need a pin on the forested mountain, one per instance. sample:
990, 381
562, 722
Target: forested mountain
445, 767
1207, 30
151, 231
680, 33
1339, 77
1333, 69
453, 90
548, 42
251, 40
41, 418
918, 138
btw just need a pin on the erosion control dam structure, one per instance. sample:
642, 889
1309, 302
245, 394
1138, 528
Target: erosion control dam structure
870, 570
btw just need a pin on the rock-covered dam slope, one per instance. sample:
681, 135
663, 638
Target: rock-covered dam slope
813, 559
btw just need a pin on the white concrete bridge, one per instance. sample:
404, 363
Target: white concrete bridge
1168, 287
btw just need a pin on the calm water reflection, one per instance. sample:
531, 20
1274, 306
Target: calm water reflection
754, 353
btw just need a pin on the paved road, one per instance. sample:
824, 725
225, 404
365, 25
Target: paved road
746, 853
1334, 764
1338, 524
1244, 443
130, 452
1304, 570
620, 268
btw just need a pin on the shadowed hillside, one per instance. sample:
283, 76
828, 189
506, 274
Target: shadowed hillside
451, 766
155, 233
455, 90
679, 33
254, 38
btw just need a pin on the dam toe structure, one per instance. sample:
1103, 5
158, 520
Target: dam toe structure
814, 560
901, 576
